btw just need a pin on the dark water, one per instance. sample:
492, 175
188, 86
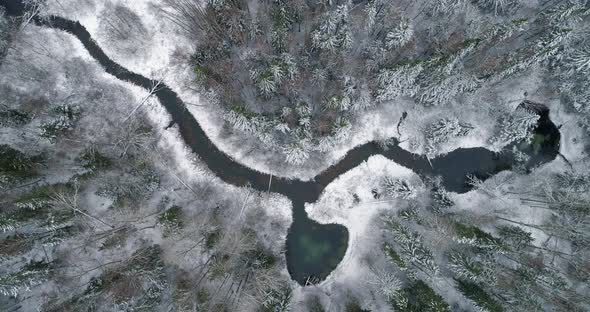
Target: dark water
313, 250
13, 7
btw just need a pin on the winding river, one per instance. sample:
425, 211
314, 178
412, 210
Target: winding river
314, 250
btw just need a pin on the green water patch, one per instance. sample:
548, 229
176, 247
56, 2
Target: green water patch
537, 142
316, 247
314, 250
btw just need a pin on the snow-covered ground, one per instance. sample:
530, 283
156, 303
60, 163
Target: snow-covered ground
65, 47
163, 51
53, 66
164, 55
160, 54
572, 135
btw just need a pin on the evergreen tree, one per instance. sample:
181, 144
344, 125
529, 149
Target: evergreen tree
333, 32
448, 6
239, 119
14, 118
411, 247
441, 200
29, 276
516, 127
171, 220
398, 188
496, 5
442, 130
419, 297
475, 237
14, 162
65, 118
296, 153
394, 257
387, 283
479, 296
400, 35
579, 59
515, 237
277, 300
400, 81
479, 268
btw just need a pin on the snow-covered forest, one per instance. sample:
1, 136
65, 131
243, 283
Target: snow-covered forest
104, 207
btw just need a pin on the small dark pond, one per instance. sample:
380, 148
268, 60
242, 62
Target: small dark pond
314, 250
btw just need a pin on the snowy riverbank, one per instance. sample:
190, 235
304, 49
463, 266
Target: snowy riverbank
161, 51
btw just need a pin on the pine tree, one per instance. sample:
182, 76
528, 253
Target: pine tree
480, 298
559, 15
441, 90
394, 257
476, 238
318, 76
29, 276
266, 83
441, 200
496, 5
277, 300
14, 118
7, 224
296, 153
516, 237
171, 220
386, 282
363, 101
269, 74
515, 127
550, 44
398, 188
400, 35
333, 32
371, 12
412, 250
579, 59
442, 130
66, 116
341, 103
447, 6
93, 160
13, 161
239, 120
341, 129
325, 144
400, 81
471, 268
420, 297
